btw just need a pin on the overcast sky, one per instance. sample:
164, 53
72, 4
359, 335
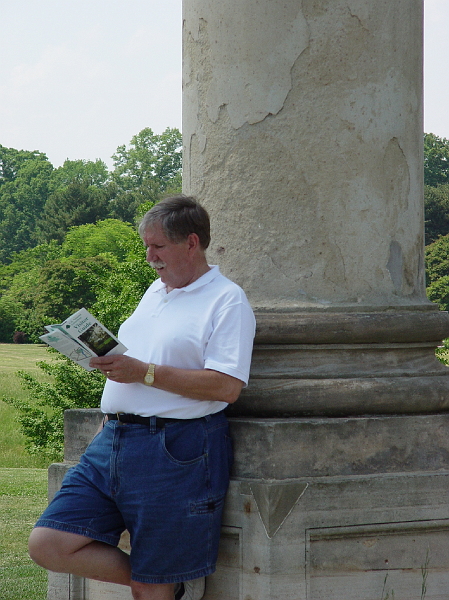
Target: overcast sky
80, 77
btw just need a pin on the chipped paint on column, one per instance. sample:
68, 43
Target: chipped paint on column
302, 134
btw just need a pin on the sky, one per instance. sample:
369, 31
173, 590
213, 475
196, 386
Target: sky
78, 78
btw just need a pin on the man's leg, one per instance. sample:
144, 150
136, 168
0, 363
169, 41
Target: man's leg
152, 591
64, 552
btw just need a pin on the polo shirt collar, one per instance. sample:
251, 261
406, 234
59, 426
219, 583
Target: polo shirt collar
210, 275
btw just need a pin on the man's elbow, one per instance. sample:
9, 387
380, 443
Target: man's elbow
232, 393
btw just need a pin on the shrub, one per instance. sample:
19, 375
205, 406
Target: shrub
42, 418
19, 337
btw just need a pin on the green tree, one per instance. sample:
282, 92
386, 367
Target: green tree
77, 204
437, 259
52, 292
438, 292
85, 172
24, 181
42, 419
436, 160
145, 170
436, 208
109, 236
119, 295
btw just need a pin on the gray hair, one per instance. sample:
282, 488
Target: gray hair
179, 216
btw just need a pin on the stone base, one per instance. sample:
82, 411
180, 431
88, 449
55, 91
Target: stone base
322, 509
339, 538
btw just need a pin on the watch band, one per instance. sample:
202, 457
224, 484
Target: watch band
149, 376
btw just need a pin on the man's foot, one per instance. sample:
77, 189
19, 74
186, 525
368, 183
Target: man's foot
190, 590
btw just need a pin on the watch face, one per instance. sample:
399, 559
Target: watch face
149, 377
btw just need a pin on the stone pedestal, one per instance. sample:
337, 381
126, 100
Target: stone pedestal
318, 509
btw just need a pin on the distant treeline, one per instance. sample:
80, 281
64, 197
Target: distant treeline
67, 234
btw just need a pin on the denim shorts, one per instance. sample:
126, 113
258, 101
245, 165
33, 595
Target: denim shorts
166, 486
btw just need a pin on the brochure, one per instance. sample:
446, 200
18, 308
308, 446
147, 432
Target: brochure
81, 337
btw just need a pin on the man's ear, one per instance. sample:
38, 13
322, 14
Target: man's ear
193, 241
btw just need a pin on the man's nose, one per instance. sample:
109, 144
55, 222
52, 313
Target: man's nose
150, 255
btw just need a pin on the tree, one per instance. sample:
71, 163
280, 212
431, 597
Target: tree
145, 170
42, 419
436, 160
109, 236
52, 292
437, 259
86, 172
436, 208
24, 181
77, 204
119, 295
12, 161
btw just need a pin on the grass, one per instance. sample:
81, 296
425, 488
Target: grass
23, 481
15, 357
23, 496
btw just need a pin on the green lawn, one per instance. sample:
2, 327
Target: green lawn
15, 357
23, 496
23, 490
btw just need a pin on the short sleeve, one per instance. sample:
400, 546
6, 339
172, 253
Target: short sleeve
230, 344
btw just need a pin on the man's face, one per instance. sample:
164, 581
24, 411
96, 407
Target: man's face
174, 262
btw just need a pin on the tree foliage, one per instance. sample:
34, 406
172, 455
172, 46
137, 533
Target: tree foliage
110, 236
436, 160
24, 181
39, 203
42, 418
145, 170
436, 207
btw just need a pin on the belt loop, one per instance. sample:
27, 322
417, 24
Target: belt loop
153, 424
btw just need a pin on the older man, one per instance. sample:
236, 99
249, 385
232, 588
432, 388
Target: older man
160, 465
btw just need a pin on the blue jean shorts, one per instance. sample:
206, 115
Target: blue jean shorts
166, 486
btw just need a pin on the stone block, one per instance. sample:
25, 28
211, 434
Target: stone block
357, 504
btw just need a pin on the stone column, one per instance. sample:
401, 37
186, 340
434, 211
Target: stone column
303, 138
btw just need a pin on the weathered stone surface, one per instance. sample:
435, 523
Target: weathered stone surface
293, 448
305, 145
337, 327
80, 426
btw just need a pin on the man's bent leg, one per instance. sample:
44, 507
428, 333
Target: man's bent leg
64, 552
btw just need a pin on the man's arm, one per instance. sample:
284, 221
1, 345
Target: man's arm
198, 384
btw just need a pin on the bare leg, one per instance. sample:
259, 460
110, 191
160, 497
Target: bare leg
64, 552
152, 591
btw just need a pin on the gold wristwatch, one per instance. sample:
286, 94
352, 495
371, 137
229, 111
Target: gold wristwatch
149, 377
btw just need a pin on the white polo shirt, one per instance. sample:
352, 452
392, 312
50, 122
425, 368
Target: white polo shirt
208, 324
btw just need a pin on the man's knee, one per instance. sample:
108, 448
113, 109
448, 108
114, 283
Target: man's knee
51, 549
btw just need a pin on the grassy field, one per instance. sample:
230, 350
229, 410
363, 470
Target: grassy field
23, 496
23, 481
15, 357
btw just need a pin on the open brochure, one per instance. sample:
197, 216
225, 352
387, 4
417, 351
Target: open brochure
81, 337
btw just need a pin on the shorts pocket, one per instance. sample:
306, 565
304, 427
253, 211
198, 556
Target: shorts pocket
184, 443
211, 505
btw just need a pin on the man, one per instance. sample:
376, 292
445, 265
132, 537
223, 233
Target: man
160, 465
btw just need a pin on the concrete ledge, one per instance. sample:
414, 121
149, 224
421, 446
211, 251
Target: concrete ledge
425, 325
333, 397
292, 448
